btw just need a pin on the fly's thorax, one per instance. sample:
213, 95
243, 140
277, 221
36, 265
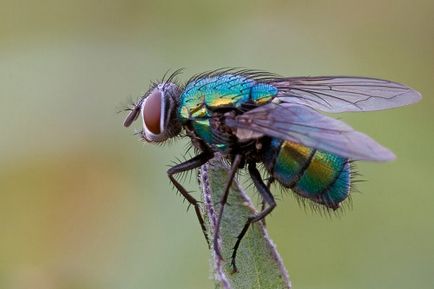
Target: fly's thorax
212, 134
158, 109
204, 103
209, 133
204, 96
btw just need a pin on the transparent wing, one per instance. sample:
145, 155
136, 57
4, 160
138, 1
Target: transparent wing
301, 124
342, 93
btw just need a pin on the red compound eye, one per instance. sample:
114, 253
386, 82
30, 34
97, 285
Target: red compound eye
152, 112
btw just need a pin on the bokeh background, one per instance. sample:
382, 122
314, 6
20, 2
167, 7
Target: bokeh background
85, 205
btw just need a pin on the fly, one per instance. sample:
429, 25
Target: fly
257, 118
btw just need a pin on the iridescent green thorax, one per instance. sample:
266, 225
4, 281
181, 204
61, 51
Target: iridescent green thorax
317, 175
202, 128
202, 97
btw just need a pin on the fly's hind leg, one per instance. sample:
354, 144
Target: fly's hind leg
191, 164
267, 198
270, 181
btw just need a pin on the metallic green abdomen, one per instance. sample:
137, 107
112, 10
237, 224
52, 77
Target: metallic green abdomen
320, 176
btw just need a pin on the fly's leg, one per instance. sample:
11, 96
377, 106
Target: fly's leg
191, 164
263, 203
270, 180
267, 198
235, 165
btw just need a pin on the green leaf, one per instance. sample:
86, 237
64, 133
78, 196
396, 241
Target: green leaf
259, 264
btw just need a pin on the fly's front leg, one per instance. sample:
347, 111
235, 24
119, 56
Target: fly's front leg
267, 198
191, 164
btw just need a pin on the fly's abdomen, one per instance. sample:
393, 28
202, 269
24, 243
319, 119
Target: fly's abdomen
317, 175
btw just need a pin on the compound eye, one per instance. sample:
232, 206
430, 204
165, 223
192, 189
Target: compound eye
151, 112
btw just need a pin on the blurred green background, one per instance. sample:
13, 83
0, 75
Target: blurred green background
84, 204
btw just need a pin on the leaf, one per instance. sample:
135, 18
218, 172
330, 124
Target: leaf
259, 264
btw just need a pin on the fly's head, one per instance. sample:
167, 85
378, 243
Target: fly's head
157, 109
